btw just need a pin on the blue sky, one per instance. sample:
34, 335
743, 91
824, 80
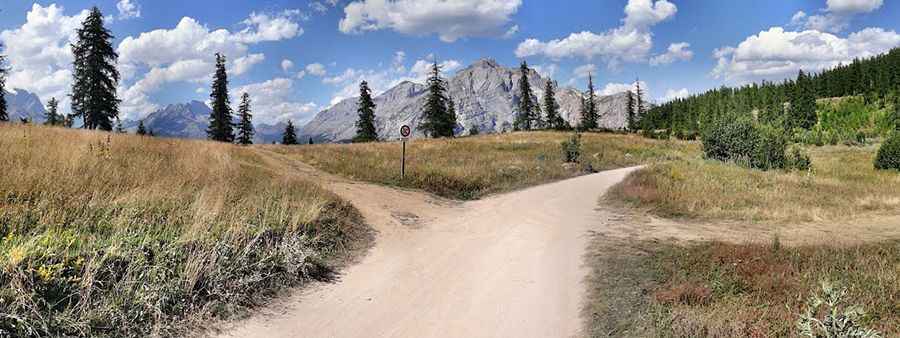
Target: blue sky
297, 57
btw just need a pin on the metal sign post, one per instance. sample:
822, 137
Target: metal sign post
404, 135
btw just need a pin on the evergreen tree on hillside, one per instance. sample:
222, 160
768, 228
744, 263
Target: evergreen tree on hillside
119, 128
526, 115
4, 116
589, 115
437, 119
365, 123
802, 113
551, 107
220, 121
629, 110
639, 105
95, 76
141, 130
52, 116
290, 134
245, 127
310, 140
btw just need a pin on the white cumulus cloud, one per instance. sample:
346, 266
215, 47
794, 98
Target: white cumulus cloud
272, 103
675, 52
672, 94
836, 17
450, 20
128, 9
315, 69
777, 54
629, 42
287, 65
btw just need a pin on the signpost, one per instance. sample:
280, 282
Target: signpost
404, 135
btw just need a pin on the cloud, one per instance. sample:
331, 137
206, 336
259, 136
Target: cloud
672, 94
381, 80
836, 17
547, 71
583, 71
190, 43
301, 74
318, 7
272, 103
615, 88
128, 9
266, 27
450, 20
777, 54
675, 52
629, 42
511, 32
315, 69
39, 55
286, 65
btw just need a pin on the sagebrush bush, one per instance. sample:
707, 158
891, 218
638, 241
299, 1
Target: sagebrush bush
745, 142
825, 315
571, 149
888, 156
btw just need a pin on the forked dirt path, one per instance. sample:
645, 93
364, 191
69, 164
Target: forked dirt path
506, 266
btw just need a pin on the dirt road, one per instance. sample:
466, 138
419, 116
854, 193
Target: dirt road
506, 266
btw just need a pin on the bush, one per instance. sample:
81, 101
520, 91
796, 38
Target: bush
745, 142
888, 156
837, 321
797, 158
571, 149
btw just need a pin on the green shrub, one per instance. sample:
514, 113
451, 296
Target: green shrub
571, 149
888, 156
796, 158
837, 320
745, 142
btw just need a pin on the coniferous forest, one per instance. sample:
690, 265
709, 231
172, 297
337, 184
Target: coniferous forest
875, 83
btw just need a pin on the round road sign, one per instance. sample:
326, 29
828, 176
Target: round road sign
405, 131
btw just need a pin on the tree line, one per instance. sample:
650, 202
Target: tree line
791, 103
94, 99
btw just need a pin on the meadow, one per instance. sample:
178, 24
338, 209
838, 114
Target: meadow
842, 185
118, 235
472, 167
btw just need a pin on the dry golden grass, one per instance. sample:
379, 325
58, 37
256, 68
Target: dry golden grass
105, 234
471, 167
733, 290
842, 185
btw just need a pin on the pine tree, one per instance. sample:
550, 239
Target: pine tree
803, 104
310, 140
589, 107
141, 130
221, 126
437, 119
551, 108
150, 133
629, 108
365, 124
245, 128
450, 120
95, 76
119, 128
526, 114
290, 134
4, 116
639, 106
52, 116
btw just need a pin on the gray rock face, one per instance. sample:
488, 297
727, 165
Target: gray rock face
485, 94
23, 104
186, 120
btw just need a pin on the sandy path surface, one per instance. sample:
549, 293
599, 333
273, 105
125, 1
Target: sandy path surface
506, 266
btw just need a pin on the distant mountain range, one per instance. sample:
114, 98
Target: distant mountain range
23, 104
485, 94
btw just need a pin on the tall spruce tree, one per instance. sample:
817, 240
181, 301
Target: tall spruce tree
629, 109
802, 113
290, 134
639, 105
437, 119
95, 76
141, 130
365, 123
119, 128
4, 116
221, 126
526, 115
245, 127
589, 115
551, 108
52, 117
